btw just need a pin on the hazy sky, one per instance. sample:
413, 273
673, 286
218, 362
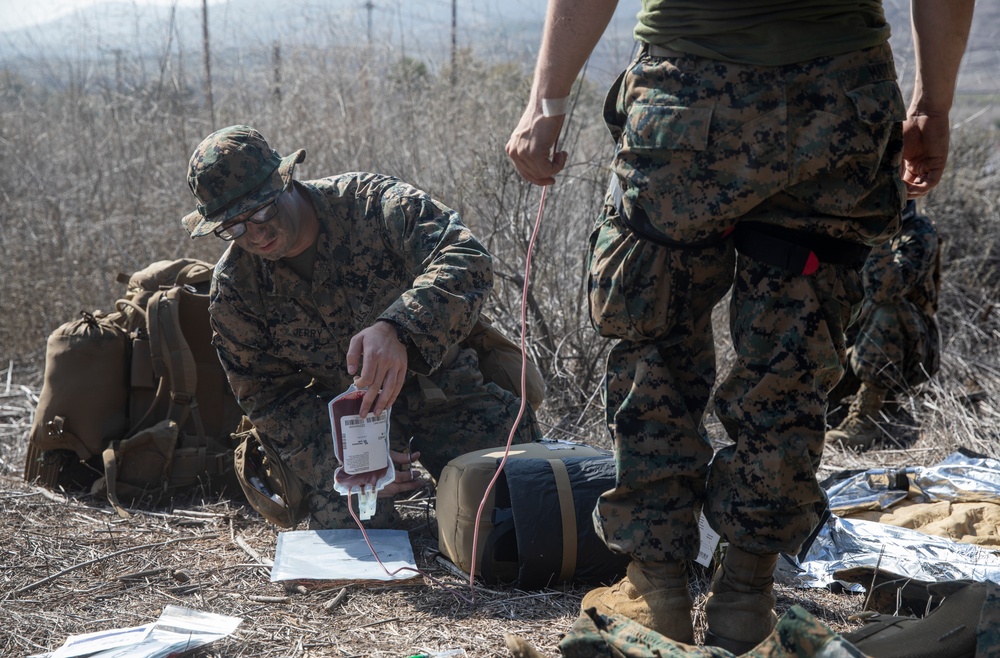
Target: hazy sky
21, 13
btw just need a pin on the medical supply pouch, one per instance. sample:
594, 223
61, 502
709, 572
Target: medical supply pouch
135, 403
536, 527
270, 486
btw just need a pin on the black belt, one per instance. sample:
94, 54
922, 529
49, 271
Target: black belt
659, 51
794, 251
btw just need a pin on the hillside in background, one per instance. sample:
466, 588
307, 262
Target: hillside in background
246, 31
494, 30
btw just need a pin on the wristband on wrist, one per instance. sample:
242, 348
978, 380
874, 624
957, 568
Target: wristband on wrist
554, 107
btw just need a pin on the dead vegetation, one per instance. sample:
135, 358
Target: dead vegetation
101, 191
71, 566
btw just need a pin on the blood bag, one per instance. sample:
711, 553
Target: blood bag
362, 446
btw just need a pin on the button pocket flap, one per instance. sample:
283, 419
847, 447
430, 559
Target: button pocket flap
879, 102
667, 127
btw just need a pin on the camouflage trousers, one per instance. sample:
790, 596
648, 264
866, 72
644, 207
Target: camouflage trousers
447, 414
703, 145
896, 347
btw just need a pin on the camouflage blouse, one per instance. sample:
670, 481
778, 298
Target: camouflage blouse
385, 250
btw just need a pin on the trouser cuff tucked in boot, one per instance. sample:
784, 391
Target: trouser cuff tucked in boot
740, 605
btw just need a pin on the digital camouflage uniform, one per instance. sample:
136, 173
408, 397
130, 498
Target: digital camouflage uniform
812, 149
797, 635
385, 251
896, 342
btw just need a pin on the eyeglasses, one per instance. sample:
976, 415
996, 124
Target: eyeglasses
233, 231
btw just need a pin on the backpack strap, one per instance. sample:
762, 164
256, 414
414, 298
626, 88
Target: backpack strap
111, 479
567, 512
172, 358
493, 568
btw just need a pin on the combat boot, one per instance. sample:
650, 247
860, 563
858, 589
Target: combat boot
740, 605
654, 594
858, 430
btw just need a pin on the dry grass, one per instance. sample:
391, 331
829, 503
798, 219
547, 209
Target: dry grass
72, 566
194, 556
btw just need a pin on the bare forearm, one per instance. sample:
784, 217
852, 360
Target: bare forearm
572, 30
940, 33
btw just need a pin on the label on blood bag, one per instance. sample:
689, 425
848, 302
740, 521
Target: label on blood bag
365, 443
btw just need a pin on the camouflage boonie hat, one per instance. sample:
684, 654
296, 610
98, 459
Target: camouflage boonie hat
234, 171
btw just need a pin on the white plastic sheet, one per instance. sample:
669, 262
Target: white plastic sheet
342, 555
846, 544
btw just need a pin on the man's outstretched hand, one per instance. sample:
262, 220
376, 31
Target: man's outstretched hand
407, 479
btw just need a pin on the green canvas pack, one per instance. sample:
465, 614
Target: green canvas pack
536, 527
134, 403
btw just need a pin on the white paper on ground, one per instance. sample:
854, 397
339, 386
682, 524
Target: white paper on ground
178, 630
342, 555
87, 643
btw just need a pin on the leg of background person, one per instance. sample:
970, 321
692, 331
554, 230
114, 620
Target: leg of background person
846, 387
889, 340
885, 343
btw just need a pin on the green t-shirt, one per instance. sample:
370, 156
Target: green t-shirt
763, 32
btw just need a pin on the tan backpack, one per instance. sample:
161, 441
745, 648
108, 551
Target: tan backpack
135, 403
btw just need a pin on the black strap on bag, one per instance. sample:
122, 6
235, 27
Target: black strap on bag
541, 528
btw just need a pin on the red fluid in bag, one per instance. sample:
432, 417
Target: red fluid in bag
362, 446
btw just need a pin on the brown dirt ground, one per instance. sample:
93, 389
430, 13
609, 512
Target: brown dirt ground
71, 565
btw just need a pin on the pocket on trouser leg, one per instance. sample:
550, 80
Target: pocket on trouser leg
629, 285
639, 290
849, 179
